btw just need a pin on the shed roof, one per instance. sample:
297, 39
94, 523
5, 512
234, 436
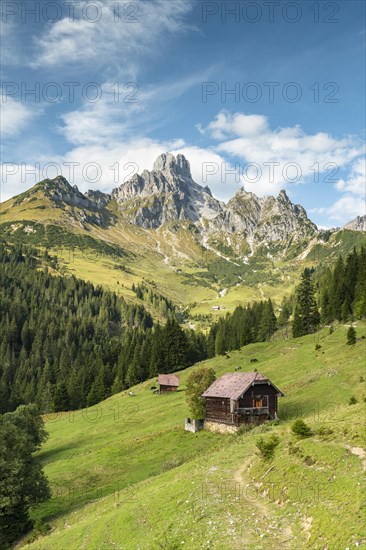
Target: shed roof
233, 384
168, 380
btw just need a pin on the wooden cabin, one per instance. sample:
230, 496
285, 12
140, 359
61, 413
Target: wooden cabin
168, 382
241, 398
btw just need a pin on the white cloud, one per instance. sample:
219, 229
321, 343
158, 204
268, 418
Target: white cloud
119, 36
239, 124
105, 167
356, 184
14, 115
346, 209
299, 155
121, 110
352, 203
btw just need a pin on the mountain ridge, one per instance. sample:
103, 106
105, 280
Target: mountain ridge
168, 193
163, 228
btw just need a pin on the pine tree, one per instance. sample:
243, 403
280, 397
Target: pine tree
351, 336
61, 400
360, 288
306, 317
176, 346
268, 322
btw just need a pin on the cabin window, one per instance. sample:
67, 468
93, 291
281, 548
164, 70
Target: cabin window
260, 401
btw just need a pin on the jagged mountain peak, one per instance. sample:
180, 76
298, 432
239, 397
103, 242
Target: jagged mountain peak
168, 193
172, 166
282, 196
170, 175
59, 189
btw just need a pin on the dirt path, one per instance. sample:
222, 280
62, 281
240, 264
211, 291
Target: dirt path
264, 512
358, 451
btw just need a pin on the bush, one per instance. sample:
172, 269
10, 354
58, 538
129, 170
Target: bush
268, 445
331, 330
301, 429
197, 382
40, 529
309, 461
351, 336
317, 346
352, 400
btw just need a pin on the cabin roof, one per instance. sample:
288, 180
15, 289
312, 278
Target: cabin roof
168, 380
233, 384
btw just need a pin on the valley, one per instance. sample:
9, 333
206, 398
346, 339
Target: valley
123, 472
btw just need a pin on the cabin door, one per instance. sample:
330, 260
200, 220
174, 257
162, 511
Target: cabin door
257, 402
260, 401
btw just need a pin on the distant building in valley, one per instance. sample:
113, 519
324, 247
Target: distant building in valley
168, 382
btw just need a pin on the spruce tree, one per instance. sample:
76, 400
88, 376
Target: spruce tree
306, 317
268, 322
351, 336
61, 400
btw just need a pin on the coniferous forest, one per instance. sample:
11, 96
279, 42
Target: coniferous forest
66, 344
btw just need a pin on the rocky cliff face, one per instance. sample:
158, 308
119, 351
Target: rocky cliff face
168, 193
60, 190
358, 224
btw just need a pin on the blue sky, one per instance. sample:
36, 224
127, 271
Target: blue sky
117, 83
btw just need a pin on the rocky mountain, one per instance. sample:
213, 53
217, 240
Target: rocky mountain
60, 190
358, 224
166, 232
168, 193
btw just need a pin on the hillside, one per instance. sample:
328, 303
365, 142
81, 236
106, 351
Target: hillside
124, 473
162, 228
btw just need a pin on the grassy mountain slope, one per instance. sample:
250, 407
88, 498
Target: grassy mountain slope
117, 254
125, 474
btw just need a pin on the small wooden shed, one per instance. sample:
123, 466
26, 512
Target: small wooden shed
168, 382
241, 398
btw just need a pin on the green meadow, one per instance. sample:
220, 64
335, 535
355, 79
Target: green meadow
124, 474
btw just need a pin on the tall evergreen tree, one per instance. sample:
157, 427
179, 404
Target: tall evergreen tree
22, 482
306, 316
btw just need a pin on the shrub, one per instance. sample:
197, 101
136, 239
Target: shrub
352, 400
317, 346
197, 382
331, 330
301, 429
268, 445
309, 461
351, 336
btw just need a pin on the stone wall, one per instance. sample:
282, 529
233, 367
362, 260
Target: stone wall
218, 427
